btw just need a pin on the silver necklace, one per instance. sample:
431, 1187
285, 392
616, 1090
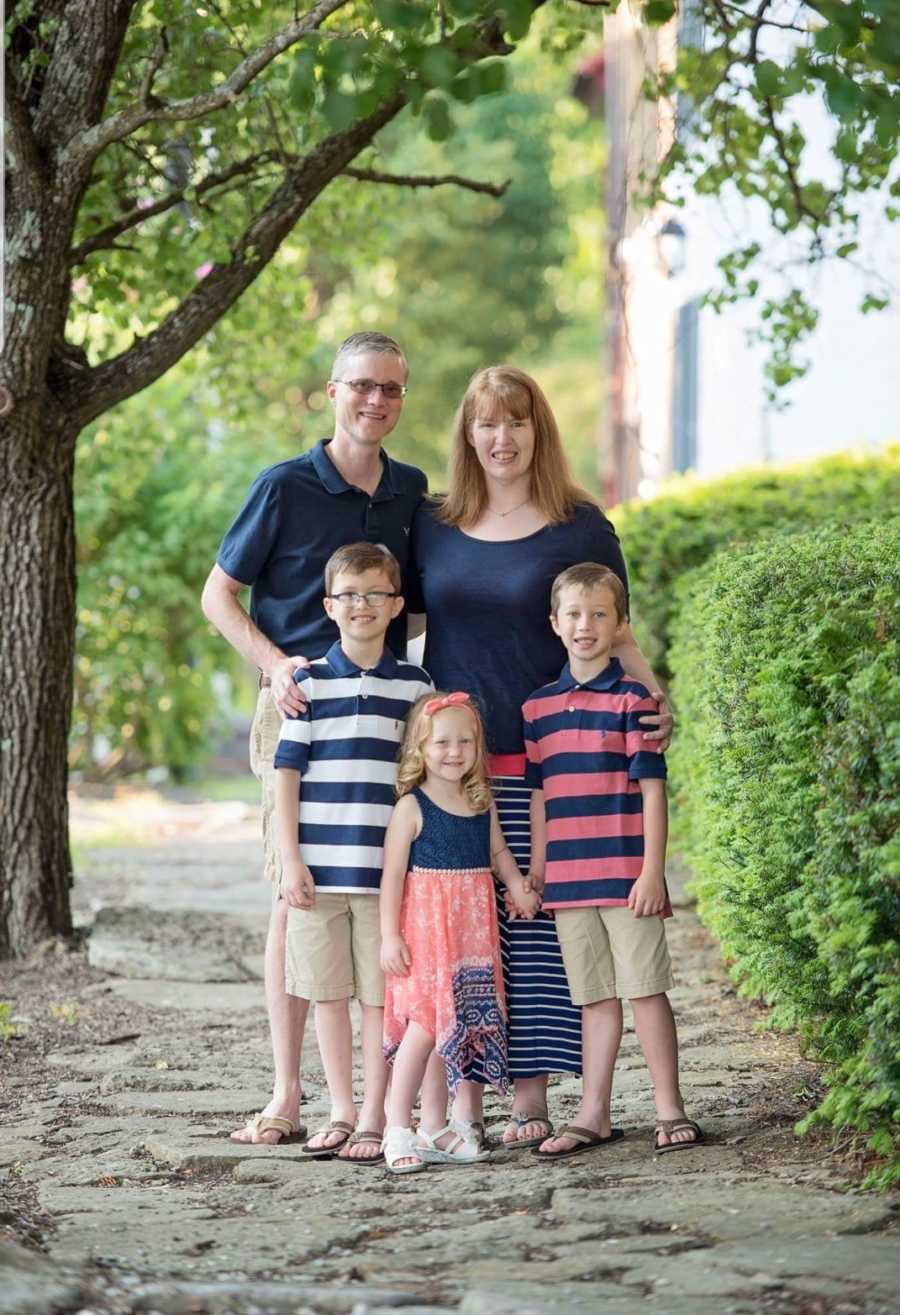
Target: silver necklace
517, 507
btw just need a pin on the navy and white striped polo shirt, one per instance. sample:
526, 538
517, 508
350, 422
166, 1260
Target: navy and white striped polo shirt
345, 747
586, 751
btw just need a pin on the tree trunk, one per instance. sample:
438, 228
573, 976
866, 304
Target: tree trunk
37, 603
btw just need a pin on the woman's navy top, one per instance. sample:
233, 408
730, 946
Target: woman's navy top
488, 608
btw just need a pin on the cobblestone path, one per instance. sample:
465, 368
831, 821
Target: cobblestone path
121, 1139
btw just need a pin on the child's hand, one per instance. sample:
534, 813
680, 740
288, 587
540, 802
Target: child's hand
535, 881
648, 895
525, 902
297, 885
395, 956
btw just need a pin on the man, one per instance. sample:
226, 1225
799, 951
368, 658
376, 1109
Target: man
295, 516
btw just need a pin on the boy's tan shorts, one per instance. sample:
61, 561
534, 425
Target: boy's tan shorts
264, 734
609, 953
333, 950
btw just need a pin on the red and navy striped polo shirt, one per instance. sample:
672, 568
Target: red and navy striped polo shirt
584, 749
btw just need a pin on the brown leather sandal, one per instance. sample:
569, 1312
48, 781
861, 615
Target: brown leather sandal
363, 1138
668, 1126
585, 1139
328, 1152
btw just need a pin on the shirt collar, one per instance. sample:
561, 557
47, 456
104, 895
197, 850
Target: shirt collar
334, 481
605, 680
341, 665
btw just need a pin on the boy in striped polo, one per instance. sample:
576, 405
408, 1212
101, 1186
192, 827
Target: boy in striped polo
334, 793
598, 842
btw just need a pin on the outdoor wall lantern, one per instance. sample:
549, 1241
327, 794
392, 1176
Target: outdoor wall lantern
672, 240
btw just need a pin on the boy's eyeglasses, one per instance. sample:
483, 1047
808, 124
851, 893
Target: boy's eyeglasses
364, 387
374, 598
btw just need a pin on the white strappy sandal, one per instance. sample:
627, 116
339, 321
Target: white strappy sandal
402, 1144
459, 1150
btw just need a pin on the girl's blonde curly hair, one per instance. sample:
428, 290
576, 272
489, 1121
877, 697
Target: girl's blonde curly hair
411, 771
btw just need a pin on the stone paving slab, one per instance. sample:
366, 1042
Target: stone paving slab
212, 997
101, 1061
732, 1209
33, 1285
184, 945
14, 1153
187, 1103
161, 1079
278, 1298
588, 1299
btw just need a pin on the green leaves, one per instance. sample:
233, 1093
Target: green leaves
339, 109
438, 123
768, 77
439, 66
302, 83
658, 12
843, 97
515, 16
403, 15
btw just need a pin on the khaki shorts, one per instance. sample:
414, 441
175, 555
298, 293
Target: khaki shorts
608, 952
263, 741
333, 950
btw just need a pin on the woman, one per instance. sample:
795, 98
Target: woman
484, 557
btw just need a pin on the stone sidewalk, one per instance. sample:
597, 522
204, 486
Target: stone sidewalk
152, 1208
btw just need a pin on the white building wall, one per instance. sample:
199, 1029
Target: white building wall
850, 396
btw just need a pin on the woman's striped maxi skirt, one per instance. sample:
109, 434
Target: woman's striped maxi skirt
544, 1025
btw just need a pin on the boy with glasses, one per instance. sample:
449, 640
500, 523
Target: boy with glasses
336, 764
296, 514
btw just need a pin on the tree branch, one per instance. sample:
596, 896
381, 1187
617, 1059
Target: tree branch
92, 392
427, 180
757, 26
789, 170
757, 19
153, 67
27, 167
106, 236
86, 146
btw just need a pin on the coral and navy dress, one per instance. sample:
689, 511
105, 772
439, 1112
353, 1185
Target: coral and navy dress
448, 919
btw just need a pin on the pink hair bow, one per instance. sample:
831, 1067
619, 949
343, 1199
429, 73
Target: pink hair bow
454, 700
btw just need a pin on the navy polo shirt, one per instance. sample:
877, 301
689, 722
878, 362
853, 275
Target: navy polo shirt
296, 515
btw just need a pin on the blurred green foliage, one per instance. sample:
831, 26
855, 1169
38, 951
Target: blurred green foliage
786, 777
692, 519
156, 480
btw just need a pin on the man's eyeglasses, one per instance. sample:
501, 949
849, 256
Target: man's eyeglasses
374, 598
392, 390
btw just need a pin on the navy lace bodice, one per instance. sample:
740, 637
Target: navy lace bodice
449, 841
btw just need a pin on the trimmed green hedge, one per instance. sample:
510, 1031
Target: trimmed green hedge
683, 527
786, 776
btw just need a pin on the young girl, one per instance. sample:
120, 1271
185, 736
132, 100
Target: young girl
440, 947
